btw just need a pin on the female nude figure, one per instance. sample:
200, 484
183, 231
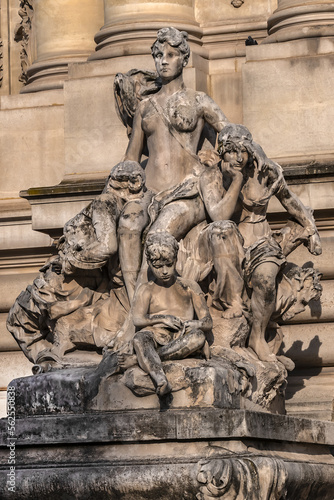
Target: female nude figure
172, 122
265, 251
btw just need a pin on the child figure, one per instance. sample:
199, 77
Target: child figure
164, 310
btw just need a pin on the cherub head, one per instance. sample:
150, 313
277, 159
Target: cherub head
161, 252
170, 52
126, 175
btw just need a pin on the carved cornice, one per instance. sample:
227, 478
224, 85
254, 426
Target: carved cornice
22, 35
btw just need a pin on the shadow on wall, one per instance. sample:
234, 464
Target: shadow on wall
311, 363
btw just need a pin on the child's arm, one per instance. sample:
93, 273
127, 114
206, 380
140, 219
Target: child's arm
204, 321
141, 307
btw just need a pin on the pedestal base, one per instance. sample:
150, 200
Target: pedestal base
176, 454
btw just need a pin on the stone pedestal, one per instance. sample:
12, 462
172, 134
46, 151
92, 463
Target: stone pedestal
173, 454
73, 439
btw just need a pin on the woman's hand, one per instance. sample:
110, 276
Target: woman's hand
233, 172
209, 157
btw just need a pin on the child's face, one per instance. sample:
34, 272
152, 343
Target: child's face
163, 270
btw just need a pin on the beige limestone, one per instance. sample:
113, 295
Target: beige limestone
214, 10
7, 342
296, 19
130, 26
324, 262
95, 138
10, 51
310, 393
309, 345
320, 311
3, 404
13, 365
64, 32
287, 105
13, 284
37, 152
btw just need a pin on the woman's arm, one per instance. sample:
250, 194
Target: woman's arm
219, 203
295, 207
212, 113
136, 143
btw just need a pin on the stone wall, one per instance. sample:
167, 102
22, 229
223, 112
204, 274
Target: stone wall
60, 128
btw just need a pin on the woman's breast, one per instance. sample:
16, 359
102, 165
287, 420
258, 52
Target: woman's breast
183, 117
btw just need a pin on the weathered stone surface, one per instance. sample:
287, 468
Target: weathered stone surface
144, 454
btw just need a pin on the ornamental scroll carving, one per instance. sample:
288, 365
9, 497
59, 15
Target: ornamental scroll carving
1, 65
22, 35
247, 477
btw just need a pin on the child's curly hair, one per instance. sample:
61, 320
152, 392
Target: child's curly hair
161, 246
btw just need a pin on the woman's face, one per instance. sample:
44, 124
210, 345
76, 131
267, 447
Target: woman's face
169, 62
237, 157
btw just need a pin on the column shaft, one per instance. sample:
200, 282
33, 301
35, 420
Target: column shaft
64, 32
130, 27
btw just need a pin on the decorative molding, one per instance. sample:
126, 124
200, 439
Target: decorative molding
242, 477
237, 3
1, 65
22, 34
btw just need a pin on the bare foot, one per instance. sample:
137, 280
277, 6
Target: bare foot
233, 312
163, 389
125, 361
262, 350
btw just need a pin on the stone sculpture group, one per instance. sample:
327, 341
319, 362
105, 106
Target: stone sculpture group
176, 258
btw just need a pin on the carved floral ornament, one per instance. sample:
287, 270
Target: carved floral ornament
237, 3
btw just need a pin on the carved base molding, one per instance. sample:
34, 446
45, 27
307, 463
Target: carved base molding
301, 21
174, 454
49, 75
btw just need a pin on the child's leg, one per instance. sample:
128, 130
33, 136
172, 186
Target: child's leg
150, 362
183, 347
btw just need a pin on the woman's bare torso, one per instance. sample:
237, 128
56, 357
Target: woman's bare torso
170, 153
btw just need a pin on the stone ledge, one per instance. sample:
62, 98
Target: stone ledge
171, 425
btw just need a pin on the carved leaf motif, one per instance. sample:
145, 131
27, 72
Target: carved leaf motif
234, 478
